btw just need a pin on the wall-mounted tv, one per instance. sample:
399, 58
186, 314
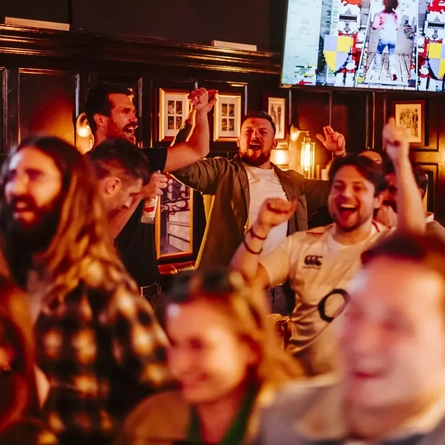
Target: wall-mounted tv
385, 44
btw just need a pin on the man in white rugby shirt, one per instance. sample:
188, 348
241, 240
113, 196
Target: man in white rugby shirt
392, 388
321, 262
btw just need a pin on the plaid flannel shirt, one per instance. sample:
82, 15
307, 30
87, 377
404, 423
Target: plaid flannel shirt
102, 352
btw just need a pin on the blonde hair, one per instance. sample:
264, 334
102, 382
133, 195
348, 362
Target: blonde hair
246, 307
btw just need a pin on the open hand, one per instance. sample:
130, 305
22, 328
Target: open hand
333, 141
202, 99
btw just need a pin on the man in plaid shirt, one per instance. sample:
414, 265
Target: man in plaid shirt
98, 342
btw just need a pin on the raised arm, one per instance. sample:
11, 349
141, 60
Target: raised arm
197, 146
410, 212
273, 212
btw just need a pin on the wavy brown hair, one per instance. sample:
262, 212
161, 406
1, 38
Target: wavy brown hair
81, 248
246, 307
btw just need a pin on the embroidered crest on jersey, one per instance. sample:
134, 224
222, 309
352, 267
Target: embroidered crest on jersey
313, 261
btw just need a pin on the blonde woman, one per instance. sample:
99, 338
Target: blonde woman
227, 361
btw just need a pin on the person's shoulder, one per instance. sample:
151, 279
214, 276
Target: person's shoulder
162, 416
305, 409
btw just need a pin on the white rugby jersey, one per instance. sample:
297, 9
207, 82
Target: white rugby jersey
320, 270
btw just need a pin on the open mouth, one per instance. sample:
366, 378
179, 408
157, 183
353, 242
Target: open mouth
347, 209
130, 131
255, 146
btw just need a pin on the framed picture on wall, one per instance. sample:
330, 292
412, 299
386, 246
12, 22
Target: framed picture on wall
173, 109
227, 117
174, 221
411, 115
276, 107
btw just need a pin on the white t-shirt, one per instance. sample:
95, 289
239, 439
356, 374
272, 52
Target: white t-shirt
265, 184
35, 288
316, 266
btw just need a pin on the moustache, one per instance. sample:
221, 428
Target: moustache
28, 201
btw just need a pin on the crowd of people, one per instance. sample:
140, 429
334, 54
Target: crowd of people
314, 315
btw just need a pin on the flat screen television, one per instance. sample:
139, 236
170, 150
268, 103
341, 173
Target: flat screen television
384, 44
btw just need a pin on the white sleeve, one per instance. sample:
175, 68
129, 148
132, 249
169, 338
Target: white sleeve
277, 262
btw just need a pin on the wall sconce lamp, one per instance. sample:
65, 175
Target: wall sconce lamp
307, 151
307, 161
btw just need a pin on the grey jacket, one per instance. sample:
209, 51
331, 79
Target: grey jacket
226, 182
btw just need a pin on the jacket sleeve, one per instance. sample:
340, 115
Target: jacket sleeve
317, 192
202, 176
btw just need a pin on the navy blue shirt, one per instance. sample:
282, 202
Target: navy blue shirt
136, 242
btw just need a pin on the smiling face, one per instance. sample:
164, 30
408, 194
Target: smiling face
32, 187
206, 355
122, 122
393, 340
351, 199
256, 141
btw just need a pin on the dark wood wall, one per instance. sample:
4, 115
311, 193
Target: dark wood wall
258, 22
45, 76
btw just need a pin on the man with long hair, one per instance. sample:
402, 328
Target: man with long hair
98, 342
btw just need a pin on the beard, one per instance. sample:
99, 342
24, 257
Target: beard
23, 239
255, 161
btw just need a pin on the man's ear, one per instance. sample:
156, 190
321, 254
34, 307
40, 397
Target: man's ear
99, 119
275, 143
237, 142
422, 193
112, 185
378, 200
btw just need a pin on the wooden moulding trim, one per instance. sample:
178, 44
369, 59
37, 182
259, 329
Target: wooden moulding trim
26, 42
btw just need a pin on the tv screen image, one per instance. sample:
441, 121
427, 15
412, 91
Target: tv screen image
389, 44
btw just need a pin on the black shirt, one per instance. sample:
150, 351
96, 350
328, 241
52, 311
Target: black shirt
136, 242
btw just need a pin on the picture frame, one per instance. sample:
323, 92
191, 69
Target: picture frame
277, 109
411, 115
227, 117
174, 221
173, 110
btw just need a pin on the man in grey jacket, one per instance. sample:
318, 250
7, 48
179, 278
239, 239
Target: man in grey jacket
239, 186
392, 389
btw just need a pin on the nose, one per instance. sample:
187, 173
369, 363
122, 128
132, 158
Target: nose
180, 362
134, 119
255, 133
347, 192
365, 339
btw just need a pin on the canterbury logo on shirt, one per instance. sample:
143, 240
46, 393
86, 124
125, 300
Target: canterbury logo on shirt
313, 260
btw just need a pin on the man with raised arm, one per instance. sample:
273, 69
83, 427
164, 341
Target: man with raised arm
320, 263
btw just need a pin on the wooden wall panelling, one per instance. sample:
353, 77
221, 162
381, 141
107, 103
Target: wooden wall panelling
432, 170
349, 117
4, 113
311, 111
47, 103
11, 108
